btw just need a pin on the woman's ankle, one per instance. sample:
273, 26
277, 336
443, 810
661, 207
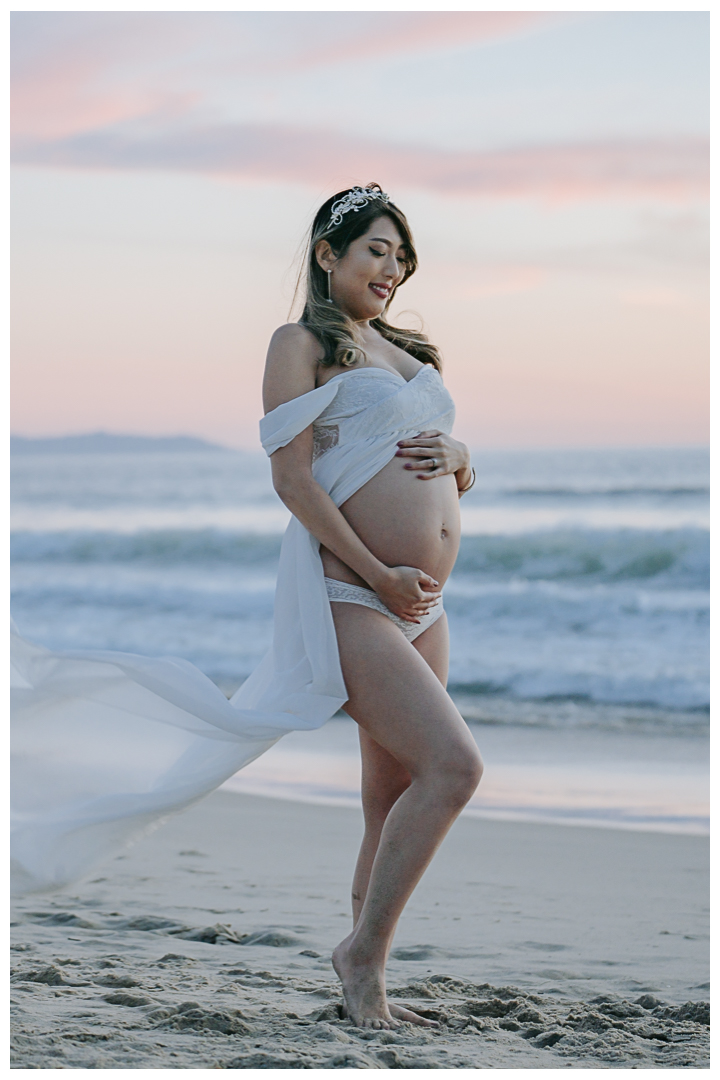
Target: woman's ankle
362, 952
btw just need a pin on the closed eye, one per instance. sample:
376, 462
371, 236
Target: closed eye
400, 258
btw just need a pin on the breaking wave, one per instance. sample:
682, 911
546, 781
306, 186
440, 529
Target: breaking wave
676, 557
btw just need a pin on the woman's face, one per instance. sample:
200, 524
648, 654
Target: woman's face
363, 280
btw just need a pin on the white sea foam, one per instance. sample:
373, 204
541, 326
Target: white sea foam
249, 520
516, 520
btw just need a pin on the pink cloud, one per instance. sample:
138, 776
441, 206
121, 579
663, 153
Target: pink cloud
418, 31
667, 168
76, 71
62, 107
68, 74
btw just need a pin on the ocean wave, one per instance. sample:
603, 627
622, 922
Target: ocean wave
685, 696
567, 615
522, 640
679, 558
261, 517
161, 546
482, 706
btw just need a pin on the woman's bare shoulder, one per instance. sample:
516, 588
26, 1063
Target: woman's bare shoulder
291, 364
297, 339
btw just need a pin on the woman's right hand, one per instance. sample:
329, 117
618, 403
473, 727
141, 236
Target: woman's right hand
407, 592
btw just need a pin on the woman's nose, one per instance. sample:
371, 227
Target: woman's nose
393, 268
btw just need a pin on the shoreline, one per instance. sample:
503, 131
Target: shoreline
574, 776
207, 945
701, 829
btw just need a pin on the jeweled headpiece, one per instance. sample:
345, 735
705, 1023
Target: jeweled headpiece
356, 199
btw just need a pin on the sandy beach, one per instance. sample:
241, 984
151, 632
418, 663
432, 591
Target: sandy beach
208, 946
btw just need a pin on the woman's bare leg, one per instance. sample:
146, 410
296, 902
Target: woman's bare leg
383, 777
383, 781
397, 699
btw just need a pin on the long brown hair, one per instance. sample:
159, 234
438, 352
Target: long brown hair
336, 332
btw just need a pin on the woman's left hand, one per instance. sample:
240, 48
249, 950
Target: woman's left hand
432, 453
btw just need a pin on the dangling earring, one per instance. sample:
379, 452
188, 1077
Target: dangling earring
330, 299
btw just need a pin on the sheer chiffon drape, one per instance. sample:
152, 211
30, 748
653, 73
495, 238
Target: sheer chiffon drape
105, 745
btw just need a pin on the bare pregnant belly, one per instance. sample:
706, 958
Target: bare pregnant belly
404, 521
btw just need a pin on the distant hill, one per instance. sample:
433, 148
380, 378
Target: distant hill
100, 442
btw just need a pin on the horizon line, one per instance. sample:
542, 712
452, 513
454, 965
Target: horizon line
249, 449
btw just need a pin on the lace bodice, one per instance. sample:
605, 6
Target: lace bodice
358, 418
368, 403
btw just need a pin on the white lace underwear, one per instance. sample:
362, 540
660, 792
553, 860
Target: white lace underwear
341, 592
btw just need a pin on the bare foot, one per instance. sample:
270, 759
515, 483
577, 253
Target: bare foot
399, 1013
410, 1017
364, 989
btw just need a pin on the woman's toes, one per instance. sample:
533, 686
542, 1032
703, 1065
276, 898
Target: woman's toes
410, 1017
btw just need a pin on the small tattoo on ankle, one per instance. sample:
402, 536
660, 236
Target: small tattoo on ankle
356, 896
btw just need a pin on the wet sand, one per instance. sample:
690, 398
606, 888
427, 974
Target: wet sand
208, 946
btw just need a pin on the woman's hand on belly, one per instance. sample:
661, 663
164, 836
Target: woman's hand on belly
433, 453
407, 592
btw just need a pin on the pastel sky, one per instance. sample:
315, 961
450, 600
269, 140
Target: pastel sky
554, 167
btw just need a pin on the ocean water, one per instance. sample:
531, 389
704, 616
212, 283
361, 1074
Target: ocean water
578, 612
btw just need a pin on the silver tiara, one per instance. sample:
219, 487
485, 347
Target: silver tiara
356, 199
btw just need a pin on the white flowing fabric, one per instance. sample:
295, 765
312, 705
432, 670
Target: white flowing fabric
105, 745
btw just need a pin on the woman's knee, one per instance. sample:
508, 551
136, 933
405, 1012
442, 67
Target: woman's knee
465, 778
459, 776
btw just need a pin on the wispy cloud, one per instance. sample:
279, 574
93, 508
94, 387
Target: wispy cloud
400, 33
667, 168
175, 91
73, 71
76, 71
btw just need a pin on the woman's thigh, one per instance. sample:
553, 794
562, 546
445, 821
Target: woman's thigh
434, 647
395, 696
383, 777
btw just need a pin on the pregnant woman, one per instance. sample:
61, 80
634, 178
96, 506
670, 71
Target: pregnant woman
388, 539
357, 426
